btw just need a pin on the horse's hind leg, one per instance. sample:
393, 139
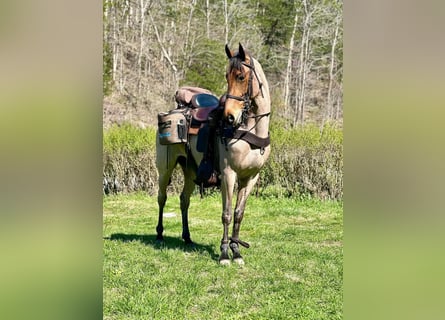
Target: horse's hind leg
165, 169
244, 189
189, 186
162, 198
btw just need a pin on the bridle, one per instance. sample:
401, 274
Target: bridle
247, 97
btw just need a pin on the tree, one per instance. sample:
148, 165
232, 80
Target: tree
152, 47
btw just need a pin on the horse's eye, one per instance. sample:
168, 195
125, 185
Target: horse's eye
241, 77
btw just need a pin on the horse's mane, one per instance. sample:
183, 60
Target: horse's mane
235, 63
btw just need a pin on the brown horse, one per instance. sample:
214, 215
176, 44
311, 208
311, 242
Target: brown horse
242, 147
245, 143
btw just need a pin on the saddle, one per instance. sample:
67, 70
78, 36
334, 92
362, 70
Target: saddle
201, 106
199, 102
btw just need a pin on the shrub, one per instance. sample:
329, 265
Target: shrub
129, 156
304, 162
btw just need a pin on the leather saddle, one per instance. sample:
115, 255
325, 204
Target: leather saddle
198, 103
203, 104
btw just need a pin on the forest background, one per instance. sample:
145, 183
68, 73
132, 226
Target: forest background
151, 48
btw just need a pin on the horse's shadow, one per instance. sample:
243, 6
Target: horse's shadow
168, 243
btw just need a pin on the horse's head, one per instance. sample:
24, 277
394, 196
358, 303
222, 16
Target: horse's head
239, 77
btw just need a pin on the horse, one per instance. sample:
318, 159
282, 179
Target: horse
246, 142
241, 144
185, 154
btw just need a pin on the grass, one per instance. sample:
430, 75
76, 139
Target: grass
293, 268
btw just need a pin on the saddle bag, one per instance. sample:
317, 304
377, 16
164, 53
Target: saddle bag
172, 127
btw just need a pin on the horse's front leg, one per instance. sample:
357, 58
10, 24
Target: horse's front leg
227, 185
244, 189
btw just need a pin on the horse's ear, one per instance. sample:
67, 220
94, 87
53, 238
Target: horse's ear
228, 53
241, 52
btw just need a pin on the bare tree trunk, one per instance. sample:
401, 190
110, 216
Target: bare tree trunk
143, 7
164, 52
337, 106
189, 24
289, 67
329, 105
306, 68
187, 36
226, 22
303, 67
208, 18
121, 71
115, 46
301, 78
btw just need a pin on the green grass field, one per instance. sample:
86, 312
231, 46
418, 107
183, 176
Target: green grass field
293, 270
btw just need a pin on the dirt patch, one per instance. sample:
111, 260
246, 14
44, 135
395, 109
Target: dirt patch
118, 112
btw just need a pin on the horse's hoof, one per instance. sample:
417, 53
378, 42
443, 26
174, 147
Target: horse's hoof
224, 262
187, 240
239, 261
189, 244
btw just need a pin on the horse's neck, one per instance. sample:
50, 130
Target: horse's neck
259, 121
262, 105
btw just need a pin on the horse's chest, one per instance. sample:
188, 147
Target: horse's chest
246, 159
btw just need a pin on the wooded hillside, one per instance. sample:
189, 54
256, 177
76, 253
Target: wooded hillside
153, 47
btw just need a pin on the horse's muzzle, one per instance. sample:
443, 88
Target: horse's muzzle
230, 119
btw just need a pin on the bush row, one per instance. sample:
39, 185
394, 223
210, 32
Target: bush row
305, 161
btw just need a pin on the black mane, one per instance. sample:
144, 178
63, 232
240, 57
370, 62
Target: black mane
236, 63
